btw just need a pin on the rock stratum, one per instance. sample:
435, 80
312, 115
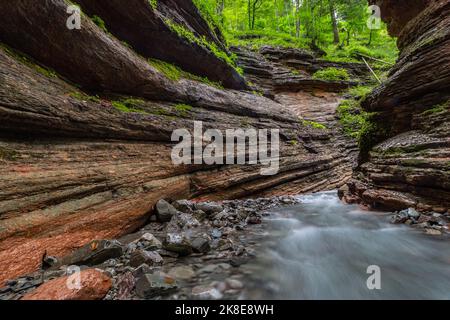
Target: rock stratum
86, 123
407, 163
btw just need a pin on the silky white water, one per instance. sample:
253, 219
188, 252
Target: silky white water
322, 248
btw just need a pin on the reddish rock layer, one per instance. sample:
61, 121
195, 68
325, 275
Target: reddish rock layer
93, 285
75, 168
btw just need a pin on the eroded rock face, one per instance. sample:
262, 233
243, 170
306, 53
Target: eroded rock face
94, 285
408, 163
398, 13
142, 26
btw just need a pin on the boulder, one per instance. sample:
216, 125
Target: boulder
178, 243
165, 211
149, 241
200, 244
125, 285
94, 253
209, 208
151, 258
157, 284
94, 285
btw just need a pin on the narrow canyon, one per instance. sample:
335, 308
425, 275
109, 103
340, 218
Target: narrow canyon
87, 116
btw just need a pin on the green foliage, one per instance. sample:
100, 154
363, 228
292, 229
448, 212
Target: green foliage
360, 92
352, 118
208, 10
256, 39
303, 24
100, 23
201, 41
314, 125
175, 73
129, 105
153, 4
332, 74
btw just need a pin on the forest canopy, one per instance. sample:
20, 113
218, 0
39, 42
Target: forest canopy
337, 28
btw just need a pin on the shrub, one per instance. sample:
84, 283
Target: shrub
332, 74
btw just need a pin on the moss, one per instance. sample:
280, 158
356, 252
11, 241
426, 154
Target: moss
371, 133
314, 125
153, 4
129, 105
360, 92
293, 142
8, 154
175, 73
413, 162
99, 22
332, 74
407, 149
183, 109
184, 33
84, 97
441, 108
351, 117
29, 62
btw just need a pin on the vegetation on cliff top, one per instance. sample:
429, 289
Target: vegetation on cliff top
337, 28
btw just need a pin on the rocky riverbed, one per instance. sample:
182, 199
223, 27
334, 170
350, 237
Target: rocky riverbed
188, 251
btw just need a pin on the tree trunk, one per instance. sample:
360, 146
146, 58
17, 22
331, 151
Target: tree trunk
297, 18
334, 22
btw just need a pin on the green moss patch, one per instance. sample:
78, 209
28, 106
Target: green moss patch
175, 73
332, 74
129, 105
314, 124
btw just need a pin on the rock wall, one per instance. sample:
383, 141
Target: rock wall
83, 165
408, 163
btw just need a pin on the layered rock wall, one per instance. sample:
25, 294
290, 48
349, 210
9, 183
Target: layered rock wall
409, 143
83, 165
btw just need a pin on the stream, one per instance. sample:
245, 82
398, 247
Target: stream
321, 249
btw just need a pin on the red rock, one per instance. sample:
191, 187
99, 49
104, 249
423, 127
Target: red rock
94, 285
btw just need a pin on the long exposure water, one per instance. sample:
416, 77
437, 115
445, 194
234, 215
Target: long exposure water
322, 248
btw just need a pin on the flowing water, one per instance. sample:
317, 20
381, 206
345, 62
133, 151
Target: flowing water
322, 248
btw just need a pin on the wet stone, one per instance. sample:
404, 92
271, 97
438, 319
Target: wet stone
151, 258
165, 211
201, 245
152, 285
178, 243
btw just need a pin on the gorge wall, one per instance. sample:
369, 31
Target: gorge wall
406, 158
87, 115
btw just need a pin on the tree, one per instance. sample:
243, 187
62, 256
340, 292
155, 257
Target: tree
297, 18
334, 22
252, 7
